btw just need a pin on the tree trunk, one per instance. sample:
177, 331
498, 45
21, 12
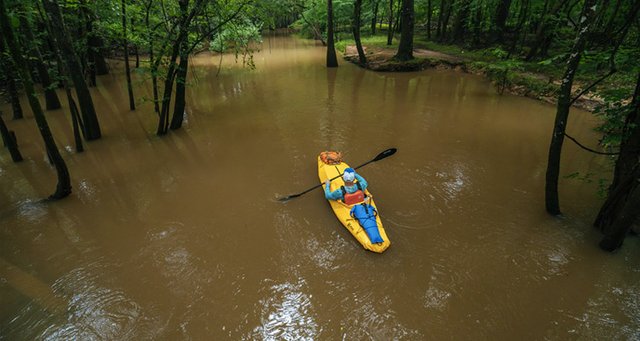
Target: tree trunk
91, 124
51, 98
125, 44
624, 217
75, 119
625, 179
135, 46
63, 187
524, 10
181, 82
332, 59
374, 20
552, 200
7, 67
429, 15
12, 86
445, 22
545, 28
440, 20
460, 21
95, 50
502, 12
477, 26
396, 24
390, 27
405, 47
152, 64
89, 18
357, 8
163, 124
10, 142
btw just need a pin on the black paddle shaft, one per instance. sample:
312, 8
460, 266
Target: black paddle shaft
378, 157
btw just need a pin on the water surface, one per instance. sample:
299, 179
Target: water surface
180, 237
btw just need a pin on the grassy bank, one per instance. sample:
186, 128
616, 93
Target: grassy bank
509, 73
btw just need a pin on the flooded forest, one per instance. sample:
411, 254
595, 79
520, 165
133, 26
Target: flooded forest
319, 170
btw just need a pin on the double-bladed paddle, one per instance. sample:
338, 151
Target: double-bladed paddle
379, 157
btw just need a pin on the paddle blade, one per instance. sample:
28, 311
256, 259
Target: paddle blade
288, 197
385, 154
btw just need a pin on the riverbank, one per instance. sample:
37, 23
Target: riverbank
523, 79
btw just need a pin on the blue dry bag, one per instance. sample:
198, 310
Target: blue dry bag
366, 215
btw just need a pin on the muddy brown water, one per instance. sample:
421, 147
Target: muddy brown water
181, 238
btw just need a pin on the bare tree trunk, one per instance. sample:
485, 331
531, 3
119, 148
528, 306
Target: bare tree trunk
9, 138
429, 15
626, 178
543, 30
92, 126
152, 65
332, 59
63, 187
125, 44
374, 20
51, 98
12, 86
502, 12
460, 21
390, 28
405, 48
181, 80
356, 31
552, 200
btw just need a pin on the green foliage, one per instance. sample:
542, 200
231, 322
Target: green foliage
613, 113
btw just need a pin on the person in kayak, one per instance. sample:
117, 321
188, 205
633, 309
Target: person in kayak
353, 190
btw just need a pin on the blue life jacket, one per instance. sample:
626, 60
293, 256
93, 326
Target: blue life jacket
366, 216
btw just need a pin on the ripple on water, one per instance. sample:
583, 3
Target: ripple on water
87, 192
435, 298
298, 238
97, 312
371, 321
32, 212
286, 314
168, 251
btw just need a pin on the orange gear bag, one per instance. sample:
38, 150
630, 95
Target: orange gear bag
331, 157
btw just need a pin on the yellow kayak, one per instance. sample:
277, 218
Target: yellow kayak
343, 210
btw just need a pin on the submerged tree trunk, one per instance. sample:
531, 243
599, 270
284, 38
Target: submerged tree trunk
552, 200
356, 31
75, 120
52, 101
181, 82
69, 57
63, 187
332, 59
12, 86
617, 212
152, 65
9, 138
405, 48
125, 44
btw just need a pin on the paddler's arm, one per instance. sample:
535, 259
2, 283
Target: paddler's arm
335, 195
362, 181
